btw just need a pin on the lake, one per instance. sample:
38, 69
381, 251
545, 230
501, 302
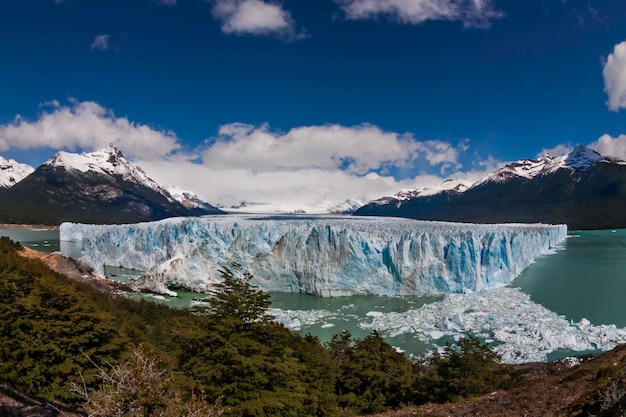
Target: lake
539, 316
43, 240
585, 279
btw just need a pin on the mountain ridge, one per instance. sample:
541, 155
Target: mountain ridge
96, 187
583, 189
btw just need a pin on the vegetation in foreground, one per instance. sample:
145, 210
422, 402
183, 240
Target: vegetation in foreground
61, 340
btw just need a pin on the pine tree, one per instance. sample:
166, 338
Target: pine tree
236, 299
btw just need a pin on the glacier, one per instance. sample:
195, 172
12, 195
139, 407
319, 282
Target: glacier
320, 255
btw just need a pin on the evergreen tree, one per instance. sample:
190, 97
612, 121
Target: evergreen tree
236, 299
252, 362
466, 368
372, 376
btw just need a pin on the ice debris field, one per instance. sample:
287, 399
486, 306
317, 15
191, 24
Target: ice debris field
325, 255
520, 330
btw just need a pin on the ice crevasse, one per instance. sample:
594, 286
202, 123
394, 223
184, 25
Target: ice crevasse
325, 255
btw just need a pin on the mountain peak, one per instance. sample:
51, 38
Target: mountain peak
115, 155
12, 172
188, 199
108, 161
582, 157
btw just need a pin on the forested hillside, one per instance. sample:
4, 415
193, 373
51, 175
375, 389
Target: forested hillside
107, 355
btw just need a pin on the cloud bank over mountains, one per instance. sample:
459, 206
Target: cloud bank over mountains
305, 165
334, 161
86, 125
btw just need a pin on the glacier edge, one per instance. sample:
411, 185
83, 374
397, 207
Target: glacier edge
321, 255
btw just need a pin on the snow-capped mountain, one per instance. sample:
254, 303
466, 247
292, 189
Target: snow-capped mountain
188, 199
96, 187
453, 185
583, 188
580, 158
347, 207
107, 162
12, 172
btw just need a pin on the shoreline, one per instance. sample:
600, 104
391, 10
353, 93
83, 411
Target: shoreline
28, 227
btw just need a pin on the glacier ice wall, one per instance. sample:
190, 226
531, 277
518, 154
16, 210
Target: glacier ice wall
325, 255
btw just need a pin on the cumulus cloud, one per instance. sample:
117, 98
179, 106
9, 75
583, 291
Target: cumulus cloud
615, 78
86, 125
472, 13
308, 165
610, 146
356, 150
100, 43
255, 17
442, 153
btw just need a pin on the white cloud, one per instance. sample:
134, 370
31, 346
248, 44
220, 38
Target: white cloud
615, 77
357, 149
472, 13
442, 153
255, 17
86, 125
302, 188
100, 43
610, 146
307, 165
558, 150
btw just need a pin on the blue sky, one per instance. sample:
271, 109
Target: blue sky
303, 101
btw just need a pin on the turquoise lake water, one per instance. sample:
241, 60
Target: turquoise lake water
585, 277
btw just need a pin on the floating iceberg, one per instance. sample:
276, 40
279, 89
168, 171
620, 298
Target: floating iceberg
325, 255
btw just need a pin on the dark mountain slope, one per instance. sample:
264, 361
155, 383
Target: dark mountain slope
588, 192
100, 187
